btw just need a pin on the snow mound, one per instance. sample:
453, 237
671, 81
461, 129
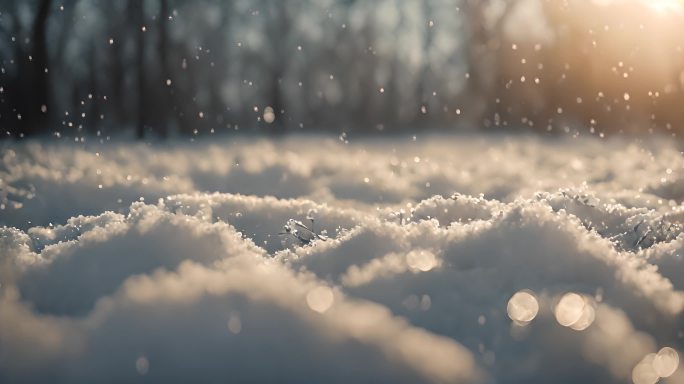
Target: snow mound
540, 262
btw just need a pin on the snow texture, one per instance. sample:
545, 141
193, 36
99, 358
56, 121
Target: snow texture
171, 264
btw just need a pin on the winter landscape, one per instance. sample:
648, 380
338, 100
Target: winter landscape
407, 202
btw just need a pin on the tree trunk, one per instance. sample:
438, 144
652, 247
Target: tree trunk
278, 125
39, 99
484, 83
93, 90
138, 15
165, 71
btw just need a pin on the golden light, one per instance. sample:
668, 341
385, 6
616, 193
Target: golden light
665, 6
320, 299
575, 311
523, 307
660, 6
615, 63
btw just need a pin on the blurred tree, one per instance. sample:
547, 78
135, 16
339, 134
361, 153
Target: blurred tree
485, 39
28, 87
165, 70
278, 27
378, 65
137, 15
39, 105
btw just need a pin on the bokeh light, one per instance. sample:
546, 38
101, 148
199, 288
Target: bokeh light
575, 311
320, 299
234, 324
666, 362
421, 260
655, 366
269, 115
523, 307
643, 373
142, 365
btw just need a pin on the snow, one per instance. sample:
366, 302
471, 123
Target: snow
474, 259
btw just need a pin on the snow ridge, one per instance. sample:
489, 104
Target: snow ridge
188, 285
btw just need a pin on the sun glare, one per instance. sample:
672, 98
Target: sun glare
665, 6
659, 6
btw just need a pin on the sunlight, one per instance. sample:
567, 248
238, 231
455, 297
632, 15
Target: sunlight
664, 6
659, 6
427, 191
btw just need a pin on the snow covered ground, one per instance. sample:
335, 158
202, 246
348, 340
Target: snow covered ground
468, 259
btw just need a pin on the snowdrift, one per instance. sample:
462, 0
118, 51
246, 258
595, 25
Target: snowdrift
448, 260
